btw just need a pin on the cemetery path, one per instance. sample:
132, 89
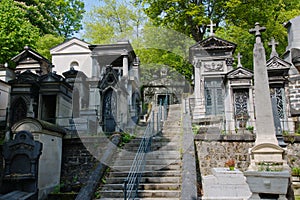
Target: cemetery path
163, 171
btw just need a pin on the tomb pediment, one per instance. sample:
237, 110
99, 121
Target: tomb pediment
277, 67
276, 63
30, 59
51, 77
214, 43
240, 73
26, 77
74, 45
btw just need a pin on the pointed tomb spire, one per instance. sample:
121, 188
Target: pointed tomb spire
273, 44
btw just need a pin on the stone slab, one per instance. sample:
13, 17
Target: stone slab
225, 184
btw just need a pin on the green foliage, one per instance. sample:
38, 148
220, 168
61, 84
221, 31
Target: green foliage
250, 128
195, 129
241, 16
46, 42
126, 137
60, 17
27, 23
15, 30
296, 171
270, 166
233, 19
298, 131
111, 20
68, 15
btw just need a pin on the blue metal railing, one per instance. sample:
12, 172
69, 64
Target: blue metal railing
132, 181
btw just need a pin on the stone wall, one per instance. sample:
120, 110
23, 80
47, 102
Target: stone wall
215, 151
77, 164
293, 149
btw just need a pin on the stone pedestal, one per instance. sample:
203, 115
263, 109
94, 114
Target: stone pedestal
226, 185
268, 183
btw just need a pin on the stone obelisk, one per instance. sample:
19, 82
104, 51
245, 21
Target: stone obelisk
266, 147
265, 129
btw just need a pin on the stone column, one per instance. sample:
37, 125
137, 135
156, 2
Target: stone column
95, 67
125, 63
197, 79
265, 130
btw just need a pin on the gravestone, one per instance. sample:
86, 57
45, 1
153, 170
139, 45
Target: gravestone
51, 160
21, 157
266, 155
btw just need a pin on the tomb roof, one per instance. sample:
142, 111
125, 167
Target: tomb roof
36, 125
214, 42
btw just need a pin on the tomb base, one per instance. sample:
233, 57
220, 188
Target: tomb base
268, 154
268, 184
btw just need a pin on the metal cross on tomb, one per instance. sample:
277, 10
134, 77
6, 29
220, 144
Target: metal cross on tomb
239, 56
211, 28
257, 31
273, 44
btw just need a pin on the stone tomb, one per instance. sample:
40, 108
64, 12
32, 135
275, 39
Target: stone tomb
50, 161
21, 157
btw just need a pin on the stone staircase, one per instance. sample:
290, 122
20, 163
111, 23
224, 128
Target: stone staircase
163, 170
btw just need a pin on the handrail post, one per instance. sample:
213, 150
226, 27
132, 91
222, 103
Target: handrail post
125, 189
152, 122
157, 122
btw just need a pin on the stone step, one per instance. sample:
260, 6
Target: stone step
149, 167
139, 198
168, 173
121, 162
154, 147
144, 186
142, 194
153, 180
161, 154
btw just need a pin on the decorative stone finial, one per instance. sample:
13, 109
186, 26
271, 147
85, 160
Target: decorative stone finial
211, 28
273, 44
257, 31
239, 56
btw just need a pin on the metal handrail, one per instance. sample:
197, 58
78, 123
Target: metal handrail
131, 183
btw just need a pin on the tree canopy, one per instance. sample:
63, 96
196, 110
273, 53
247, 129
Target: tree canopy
112, 19
233, 19
26, 22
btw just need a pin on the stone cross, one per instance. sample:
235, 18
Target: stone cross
265, 129
273, 44
239, 56
211, 28
257, 31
